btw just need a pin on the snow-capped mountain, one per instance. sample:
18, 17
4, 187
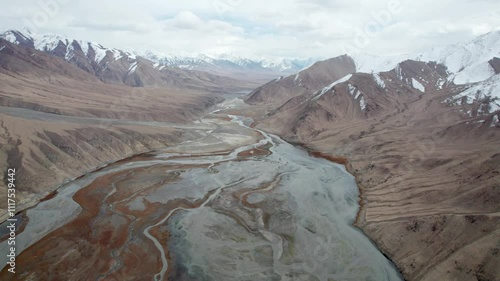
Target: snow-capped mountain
110, 65
473, 64
65, 47
467, 62
226, 62
465, 75
96, 54
420, 132
470, 63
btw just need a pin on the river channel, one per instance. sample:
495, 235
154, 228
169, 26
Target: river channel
235, 204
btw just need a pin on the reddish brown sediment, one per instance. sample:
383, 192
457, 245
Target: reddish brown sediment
216, 153
95, 251
345, 162
38, 260
50, 196
331, 158
164, 236
88, 241
259, 151
134, 158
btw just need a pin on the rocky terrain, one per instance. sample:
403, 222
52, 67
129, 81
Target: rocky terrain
62, 118
114, 66
421, 134
139, 68
228, 206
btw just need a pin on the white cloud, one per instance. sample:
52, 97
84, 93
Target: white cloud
186, 20
303, 28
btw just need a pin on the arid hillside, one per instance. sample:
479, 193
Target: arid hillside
59, 121
424, 147
113, 66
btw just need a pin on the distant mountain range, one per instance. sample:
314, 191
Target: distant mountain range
204, 61
111, 66
89, 55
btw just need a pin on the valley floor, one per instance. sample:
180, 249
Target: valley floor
430, 204
234, 204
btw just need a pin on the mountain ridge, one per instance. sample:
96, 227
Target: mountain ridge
225, 65
114, 66
475, 59
421, 141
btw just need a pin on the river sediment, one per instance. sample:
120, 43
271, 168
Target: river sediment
239, 204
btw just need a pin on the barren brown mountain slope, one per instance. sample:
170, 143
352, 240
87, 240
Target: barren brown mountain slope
148, 67
278, 91
122, 68
427, 162
59, 121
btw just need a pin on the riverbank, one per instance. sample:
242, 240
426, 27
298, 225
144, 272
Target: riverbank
89, 129
239, 209
163, 137
360, 220
413, 208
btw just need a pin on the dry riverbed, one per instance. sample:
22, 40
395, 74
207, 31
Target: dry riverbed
237, 204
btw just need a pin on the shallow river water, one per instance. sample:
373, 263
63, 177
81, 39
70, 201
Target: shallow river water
264, 210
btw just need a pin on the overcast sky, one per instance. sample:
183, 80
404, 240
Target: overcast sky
287, 28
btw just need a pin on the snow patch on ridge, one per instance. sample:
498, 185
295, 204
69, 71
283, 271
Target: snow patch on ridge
440, 83
495, 121
84, 46
417, 85
48, 42
489, 89
329, 87
399, 72
370, 63
132, 68
9, 36
100, 52
116, 54
379, 80
355, 92
362, 103
70, 52
131, 56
